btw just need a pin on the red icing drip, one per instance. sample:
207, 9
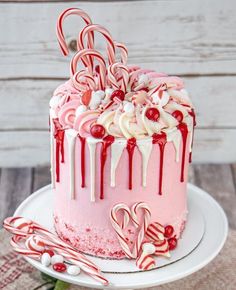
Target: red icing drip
193, 115
161, 140
82, 158
184, 132
59, 136
131, 143
107, 141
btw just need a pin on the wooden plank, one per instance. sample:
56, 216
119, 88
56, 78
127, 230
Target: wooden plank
41, 177
24, 103
15, 186
31, 148
176, 37
218, 181
233, 168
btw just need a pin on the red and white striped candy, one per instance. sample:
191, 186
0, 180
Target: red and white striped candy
91, 28
141, 224
17, 241
123, 51
118, 76
94, 55
83, 81
118, 226
59, 30
35, 243
155, 231
18, 226
145, 261
162, 248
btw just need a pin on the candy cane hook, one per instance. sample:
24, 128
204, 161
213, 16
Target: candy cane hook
91, 28
59, 29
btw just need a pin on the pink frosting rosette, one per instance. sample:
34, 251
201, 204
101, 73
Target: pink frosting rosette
173, 82
84, 121
66, 114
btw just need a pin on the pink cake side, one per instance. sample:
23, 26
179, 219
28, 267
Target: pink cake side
86, 225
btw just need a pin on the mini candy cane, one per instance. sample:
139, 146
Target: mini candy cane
16, 243
34, 243
18, 226
155, 231
94, 54
84, 81
91, 29
118, 70
143, 227
145, 261
59, 30
161, 248
45, 237
123, 51
121, 207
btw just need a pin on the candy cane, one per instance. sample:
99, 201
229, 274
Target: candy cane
43, 236
123, 51
84, 81
17, 247
18, 226
59, 30
155, 231
94, 54
143, 227
117, 72
118, 227
91, 28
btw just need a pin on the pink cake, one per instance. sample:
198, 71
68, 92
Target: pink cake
119, 135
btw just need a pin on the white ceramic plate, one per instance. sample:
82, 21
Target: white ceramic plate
195, 250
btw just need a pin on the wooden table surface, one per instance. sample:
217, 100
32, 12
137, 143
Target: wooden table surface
219, 180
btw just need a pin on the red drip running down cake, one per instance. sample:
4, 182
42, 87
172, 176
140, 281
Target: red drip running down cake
120, 134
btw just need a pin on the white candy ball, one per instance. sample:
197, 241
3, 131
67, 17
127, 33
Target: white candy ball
109, 91
46, 259
96, 99
148, 248
73, 270
143, 79
129, 107
81, 109
57, 259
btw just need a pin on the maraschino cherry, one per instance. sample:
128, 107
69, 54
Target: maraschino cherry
169, 230
59, 267
50, 252
172, 243
118, 94
97, 131
152, 114
178, 115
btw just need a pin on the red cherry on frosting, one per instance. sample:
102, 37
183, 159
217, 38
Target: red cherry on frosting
152, 114
172, 243
59, 267
50, 252
178, 115
97, 131
118, 94
169, 230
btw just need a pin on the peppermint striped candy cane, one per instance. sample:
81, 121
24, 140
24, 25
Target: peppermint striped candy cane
123, 51
119, 226
94, 54
59, 29
91, 28
118, 76
83, 81
143, 225
16, 243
